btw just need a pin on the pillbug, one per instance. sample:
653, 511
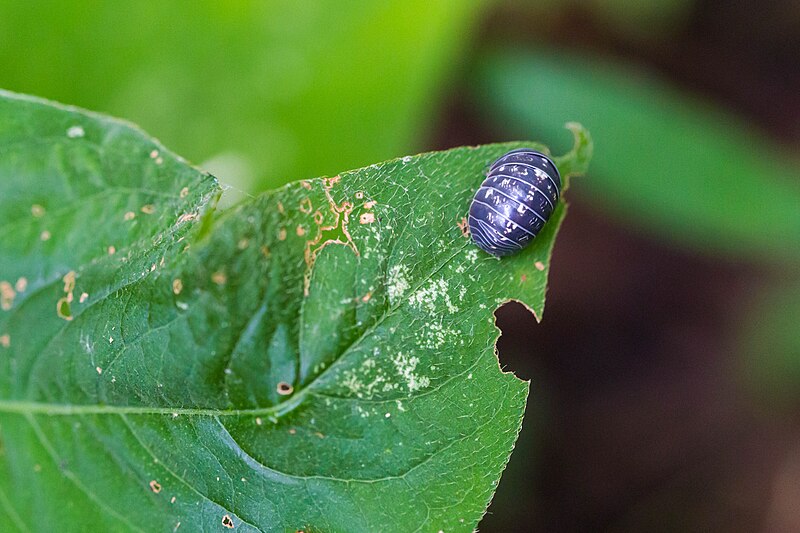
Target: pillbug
514, 202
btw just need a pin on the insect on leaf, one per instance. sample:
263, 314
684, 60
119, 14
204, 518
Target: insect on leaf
318, 358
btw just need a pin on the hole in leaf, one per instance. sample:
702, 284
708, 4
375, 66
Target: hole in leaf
284, 389
516, 347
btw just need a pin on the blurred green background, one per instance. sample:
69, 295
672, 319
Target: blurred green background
666, 373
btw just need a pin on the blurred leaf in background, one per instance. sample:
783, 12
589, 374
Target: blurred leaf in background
264, 90
630, 18
666, 162
770, 349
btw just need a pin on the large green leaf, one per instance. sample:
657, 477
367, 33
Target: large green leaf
319, 358
269, 89
668, 163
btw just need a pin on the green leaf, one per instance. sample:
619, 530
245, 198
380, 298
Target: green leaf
318, 358
264, 91
668, 164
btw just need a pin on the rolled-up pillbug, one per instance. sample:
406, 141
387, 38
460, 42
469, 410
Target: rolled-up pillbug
514, 202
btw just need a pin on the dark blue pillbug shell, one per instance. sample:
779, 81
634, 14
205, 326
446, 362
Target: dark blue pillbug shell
514, 202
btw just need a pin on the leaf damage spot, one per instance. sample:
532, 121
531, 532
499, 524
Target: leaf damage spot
539, 266
300, 231
63, 309
284, 388
282, 234
99, 370
370, 204
7, 295
75, 132
155, 486
184, 192
219, 278
37, 211
130, 215
64, 304
45, 235
366, 218
5, 340
243, 244
21, 284
112, 250
338, 230
84, 297
463, 227
148, 209
227, 522
305, 206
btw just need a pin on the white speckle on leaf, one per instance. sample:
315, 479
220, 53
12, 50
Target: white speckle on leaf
405, 367
75, 132
428, 296
435, 335
397, 282
366, 380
